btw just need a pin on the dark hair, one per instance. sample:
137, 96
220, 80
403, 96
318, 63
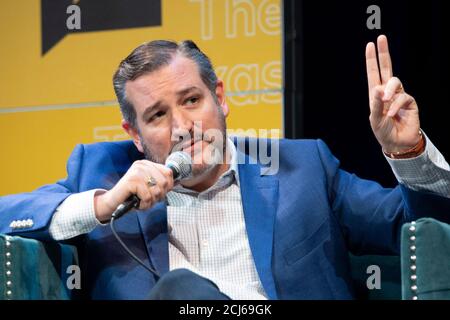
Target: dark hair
151, 56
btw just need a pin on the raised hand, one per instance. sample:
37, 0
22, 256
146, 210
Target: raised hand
394, 115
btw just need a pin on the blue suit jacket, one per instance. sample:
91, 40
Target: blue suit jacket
301, 223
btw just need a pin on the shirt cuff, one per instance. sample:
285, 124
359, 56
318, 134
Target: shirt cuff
75, 216
426, 172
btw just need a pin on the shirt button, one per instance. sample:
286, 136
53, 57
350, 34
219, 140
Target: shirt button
205, 243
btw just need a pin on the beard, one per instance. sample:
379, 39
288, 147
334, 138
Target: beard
214, 151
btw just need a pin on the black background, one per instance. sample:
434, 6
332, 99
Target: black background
98, 15
326, 92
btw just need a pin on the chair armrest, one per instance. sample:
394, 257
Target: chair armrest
390, 284
425, 260
31, 269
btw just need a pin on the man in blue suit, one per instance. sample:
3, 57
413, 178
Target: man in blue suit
232, 229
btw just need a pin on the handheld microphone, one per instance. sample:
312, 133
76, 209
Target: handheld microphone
181, 165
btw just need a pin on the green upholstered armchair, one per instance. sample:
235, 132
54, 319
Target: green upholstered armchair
30, 269
390, 277
421, 272
425, 260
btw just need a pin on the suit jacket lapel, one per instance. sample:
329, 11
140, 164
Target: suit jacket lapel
260, 201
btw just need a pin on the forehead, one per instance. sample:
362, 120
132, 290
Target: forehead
180, 73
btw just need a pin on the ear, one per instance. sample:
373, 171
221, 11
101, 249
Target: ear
220, 93
134, 134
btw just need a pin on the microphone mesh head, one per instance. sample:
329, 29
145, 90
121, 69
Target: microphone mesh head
181, 162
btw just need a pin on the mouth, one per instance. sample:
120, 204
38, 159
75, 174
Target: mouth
193, 147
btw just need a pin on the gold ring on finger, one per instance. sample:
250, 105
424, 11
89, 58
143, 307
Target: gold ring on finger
151, 181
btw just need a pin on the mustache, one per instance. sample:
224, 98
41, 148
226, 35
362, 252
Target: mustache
189, 140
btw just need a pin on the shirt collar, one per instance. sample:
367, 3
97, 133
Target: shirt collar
234, 160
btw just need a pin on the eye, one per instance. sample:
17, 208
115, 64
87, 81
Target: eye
157, 115
192, 100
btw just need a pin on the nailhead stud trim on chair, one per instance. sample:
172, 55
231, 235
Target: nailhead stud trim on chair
413, 258
8, 269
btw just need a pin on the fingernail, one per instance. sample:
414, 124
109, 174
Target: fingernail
390, 113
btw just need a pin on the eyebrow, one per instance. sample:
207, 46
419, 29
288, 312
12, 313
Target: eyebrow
158, 103
183, 92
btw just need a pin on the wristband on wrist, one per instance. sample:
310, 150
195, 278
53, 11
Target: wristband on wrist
415, 151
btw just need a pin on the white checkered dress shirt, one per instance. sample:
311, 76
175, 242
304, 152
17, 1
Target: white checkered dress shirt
207, 235
207, 230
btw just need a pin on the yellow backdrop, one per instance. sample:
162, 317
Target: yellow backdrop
49, 103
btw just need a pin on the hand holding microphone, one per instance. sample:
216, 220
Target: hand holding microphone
144, 184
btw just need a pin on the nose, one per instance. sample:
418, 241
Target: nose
182, 126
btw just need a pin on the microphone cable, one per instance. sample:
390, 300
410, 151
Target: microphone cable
116, 214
